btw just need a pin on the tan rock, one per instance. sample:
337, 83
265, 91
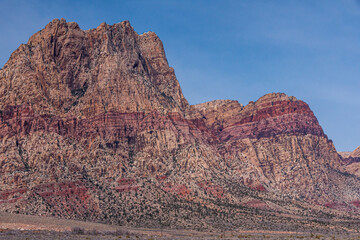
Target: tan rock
94, 126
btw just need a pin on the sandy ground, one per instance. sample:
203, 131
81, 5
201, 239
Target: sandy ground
17, 226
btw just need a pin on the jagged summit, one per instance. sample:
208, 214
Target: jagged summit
279, 107
56, 24
217, 104
356, 152
65, 70
273, 97
351, 161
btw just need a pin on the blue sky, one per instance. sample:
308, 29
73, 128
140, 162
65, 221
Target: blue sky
239, 49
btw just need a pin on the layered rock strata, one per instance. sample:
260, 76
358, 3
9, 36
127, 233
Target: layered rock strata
276, 144
94, 126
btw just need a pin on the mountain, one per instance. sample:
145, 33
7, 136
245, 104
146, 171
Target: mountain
94, 126
66, 71
276, 144
355, 153
351, 162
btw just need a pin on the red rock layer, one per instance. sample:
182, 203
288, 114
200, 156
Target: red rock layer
271, 115
275, 144
22, 120
93, 125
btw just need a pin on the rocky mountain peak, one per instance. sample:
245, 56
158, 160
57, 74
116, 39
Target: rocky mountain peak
276, 107
65, 70
56, 24
274, 97
351, 161
355, 153
217, 104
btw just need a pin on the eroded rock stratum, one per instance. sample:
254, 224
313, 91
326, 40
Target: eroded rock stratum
94, 126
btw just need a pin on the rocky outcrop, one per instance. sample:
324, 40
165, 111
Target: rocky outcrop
273, 114
277, 144
355, 153
94, 125
351, 162
66, 71
89, 108
108, 83
344, 154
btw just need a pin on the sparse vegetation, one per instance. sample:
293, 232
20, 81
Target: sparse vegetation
77, 230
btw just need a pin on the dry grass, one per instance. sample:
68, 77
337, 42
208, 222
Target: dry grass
22, 227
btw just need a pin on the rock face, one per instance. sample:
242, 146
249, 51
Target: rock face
355, 153
94, 126
344, 154
65, 71
351, 162
276, 144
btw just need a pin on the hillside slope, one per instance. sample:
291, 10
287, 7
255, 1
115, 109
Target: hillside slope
94, 126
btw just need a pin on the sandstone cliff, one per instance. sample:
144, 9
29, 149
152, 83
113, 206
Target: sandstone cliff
94, 126
66, 71
351, 162
355, 153
276, 144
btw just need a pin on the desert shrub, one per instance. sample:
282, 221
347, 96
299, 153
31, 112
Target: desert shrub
93, 232
77, 230
121, 232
